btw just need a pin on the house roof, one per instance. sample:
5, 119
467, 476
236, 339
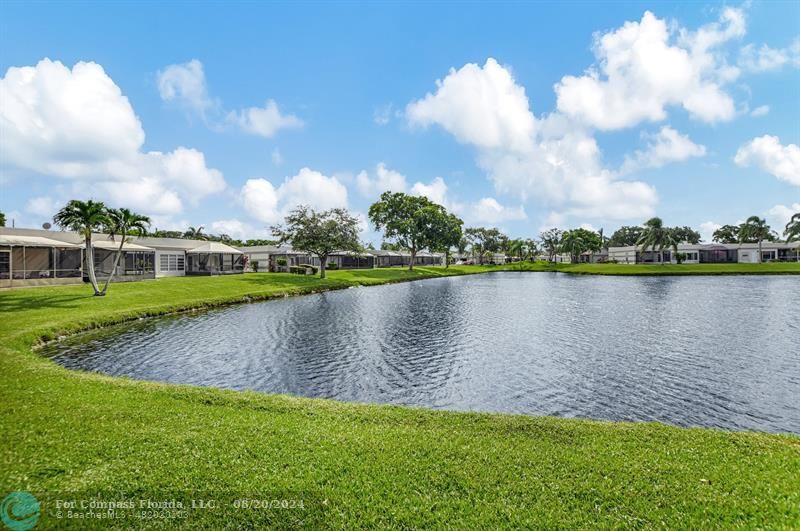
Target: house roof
214, 247
113, 246
33, 241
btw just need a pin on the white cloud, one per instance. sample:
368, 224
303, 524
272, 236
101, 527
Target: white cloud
707, 229
382, 114
185, 84
761, 110
266, 203
238, 229
478, 105
766, 59
277, 157
385, 180
552, 159
436, 191
43, 206
76, 124
767, 153
263, 121
643, 69
779, 215
668, 145
488, 210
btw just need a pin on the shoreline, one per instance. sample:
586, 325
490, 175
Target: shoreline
350, 452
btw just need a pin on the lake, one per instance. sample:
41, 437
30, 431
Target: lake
718, 352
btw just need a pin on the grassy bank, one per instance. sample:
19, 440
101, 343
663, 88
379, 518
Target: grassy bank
775, 268
71, 436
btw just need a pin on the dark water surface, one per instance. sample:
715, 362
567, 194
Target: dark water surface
693, 351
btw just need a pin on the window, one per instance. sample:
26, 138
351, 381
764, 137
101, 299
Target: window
171, 262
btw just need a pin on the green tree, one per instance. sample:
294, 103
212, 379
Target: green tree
485, 240
726, 234
551, 242
446, 231
84, 217
407, 220
320, 233
122, 223
2, 220
577, 241
792, 230
656, 236
625, 236
685, 234
195, 233
755, 230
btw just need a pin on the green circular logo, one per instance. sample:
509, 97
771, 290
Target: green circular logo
20, 510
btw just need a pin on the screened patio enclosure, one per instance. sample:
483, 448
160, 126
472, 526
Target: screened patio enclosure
35, 261
214, 258
136, 263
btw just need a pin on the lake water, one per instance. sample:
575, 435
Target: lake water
692, 351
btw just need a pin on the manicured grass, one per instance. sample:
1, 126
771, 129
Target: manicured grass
72, 435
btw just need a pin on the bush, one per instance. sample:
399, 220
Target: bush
280, 261
254, 265
313, 269
332, 265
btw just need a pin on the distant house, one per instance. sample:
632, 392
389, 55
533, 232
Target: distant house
31, 257
710, 253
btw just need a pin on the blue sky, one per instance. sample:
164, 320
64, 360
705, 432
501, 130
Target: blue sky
516, 115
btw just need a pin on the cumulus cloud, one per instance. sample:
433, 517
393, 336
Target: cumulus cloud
478, 105
237, 229
185, 85
779, 215
766, 59
761, 110
43, 206
646, 66
436, 191
263, 121
767, 153
77, 125
264, 202
385, 180
552, 159
707, 230
667, 146
488, 210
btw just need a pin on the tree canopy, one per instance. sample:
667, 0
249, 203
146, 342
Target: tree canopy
413, 222
792, 230
2, 220
551, 241
320, 233
625, 236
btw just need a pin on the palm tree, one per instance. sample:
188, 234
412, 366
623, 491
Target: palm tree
656, 236
123, 223
573, 244
2, 220
195, 233
792, 232
84, 217
754, 228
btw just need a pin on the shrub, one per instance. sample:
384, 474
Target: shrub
312, 270
332, 265
297, 270
280, 261
254, 265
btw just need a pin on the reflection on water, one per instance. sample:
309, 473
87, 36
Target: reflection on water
694, 351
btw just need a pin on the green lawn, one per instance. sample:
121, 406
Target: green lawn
70, 435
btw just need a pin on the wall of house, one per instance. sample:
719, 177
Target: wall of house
170, 263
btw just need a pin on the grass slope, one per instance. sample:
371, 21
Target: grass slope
72, 435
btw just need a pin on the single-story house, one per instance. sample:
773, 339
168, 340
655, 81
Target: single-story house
37, 257
710, 253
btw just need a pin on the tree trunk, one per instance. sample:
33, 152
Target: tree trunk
114, 267
759, 250
90, 266
323, 261
413, 258
447, 259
